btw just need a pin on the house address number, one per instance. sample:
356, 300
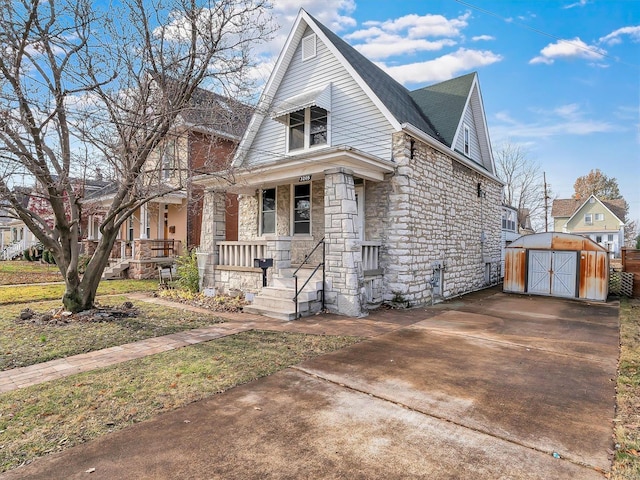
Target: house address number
304, 178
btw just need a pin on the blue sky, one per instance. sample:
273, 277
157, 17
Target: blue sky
560, 77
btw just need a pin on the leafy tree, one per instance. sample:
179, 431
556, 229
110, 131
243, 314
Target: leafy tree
82, 81
598, 184
524, 187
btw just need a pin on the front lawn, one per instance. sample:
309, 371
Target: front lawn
24, 343
626, 462
56, 415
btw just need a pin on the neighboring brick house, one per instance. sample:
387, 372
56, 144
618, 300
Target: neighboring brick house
400, 184
600, 220
203, 139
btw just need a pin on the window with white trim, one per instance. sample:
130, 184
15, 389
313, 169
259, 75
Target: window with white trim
599, 217
268, 211
302, 209
588, 218
130, 229
168, 160
467, 141
307, 128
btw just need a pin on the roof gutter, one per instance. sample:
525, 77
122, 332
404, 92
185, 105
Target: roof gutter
441, 147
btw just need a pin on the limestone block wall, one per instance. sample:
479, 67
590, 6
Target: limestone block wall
432, 213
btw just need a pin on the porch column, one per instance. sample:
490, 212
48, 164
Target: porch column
212, 232
279, 248
144, 215
343, 260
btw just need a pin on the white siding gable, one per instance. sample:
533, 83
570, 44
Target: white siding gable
354, 120
473, 117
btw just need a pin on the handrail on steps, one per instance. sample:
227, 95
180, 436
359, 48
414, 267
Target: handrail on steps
295, 274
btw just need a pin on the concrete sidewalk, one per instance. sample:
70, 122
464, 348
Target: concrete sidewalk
234, 323
489, 386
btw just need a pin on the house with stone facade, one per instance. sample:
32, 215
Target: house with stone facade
600, 220
354, 189
203, 139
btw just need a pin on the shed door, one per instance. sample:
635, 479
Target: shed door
563, 276
552, 273
539, 272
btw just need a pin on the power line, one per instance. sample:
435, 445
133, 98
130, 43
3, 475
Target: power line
546, 34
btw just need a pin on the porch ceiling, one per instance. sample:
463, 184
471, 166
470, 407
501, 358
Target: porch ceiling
292, 169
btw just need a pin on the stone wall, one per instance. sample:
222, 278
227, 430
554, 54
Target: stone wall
433, 214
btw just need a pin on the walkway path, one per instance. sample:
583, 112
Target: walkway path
234, 323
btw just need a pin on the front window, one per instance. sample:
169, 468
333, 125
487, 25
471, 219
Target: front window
268, 211
169, 160
130, 229
302, 209
308, 128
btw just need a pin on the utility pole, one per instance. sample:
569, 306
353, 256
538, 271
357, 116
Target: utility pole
546, 203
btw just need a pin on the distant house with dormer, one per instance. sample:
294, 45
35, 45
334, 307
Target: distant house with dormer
600, 220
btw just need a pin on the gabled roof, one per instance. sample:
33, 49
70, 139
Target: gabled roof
395, 96
568, 207
444, 103
424, 112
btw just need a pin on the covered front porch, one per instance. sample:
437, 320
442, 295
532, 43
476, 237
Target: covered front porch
312, 219
153, 236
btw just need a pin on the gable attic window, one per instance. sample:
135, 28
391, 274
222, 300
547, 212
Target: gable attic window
588, 219
309, 47
307, 128
467, 141
306, 117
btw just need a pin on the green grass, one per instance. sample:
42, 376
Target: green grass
23, 344
56, 415
35, 293
626, 462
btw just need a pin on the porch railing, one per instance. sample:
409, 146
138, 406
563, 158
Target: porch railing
370, 254
240, 254
321, 265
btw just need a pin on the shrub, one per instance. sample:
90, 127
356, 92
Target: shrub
27, 255
187, 270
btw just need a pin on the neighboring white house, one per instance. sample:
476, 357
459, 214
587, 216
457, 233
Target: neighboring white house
398, 187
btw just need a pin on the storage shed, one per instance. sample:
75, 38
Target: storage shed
557, 264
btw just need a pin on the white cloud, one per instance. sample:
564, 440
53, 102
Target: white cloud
442, 68
566, 119
614, 37
335, 14
389, 45
575, 48
420, 26
579, 3
479, 38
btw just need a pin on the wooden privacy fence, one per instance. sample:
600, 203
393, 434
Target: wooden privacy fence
631, 264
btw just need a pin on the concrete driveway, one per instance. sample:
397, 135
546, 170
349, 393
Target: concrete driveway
490, 386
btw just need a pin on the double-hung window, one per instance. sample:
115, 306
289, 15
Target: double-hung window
599, 217
169, 160
467, 141
268, 211
308, 128
588, 218
302, 209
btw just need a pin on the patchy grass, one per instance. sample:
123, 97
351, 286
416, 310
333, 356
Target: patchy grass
56, 415
14, 272
36, 293
24, 344
626, 462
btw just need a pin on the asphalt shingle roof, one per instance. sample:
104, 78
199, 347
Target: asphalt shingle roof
566, 207
396, 97
444, 104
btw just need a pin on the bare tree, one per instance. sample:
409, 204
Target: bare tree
78, 83
524, 187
